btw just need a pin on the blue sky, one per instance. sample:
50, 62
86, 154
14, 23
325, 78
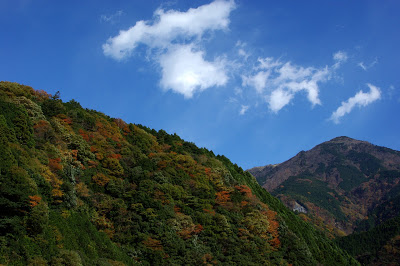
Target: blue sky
257, 81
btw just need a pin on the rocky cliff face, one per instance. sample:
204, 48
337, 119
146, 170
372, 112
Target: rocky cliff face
341, 181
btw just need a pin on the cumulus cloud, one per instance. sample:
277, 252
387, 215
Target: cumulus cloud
279, 98
168, 26
360, 99
278, 82
185, 71
173, 39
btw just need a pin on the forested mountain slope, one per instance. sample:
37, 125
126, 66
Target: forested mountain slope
78, 187
342, 184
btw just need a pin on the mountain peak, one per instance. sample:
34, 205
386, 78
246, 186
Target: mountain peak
342, 138
344, 177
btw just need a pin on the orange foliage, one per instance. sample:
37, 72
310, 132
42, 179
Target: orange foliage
34, 200
67, 120
212, 212
42, 95
55, 164
99, 156
208, 259
177, 209
273, 229
244, 190
161, 196
74, 154
92, 164
208, 171
243, 233
122, 125
162, 164
222, 198
165, 147
244, 203
185, 233
198, 229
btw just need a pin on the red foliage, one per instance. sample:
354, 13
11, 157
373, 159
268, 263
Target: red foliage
42, 129
115, 156
84, 135
122, 125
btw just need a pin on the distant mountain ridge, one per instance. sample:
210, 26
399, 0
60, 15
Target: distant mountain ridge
342, 181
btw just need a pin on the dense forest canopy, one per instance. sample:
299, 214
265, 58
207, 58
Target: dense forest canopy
81, 188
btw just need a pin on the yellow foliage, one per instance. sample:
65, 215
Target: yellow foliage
101, 179
82, 189
57, 193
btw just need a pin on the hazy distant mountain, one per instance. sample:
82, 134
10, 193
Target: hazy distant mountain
342, 184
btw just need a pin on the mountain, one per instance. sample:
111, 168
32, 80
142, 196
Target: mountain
378, 246
78, 187
343, 185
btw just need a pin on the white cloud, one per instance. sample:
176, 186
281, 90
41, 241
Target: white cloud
360, 99
339, 57
366, 67
111, 18
243, 53
361, 64
238, 91
174, 41
281, 81
279, 98
168, 26
244, 109
268, 63
258, 81
185, 71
